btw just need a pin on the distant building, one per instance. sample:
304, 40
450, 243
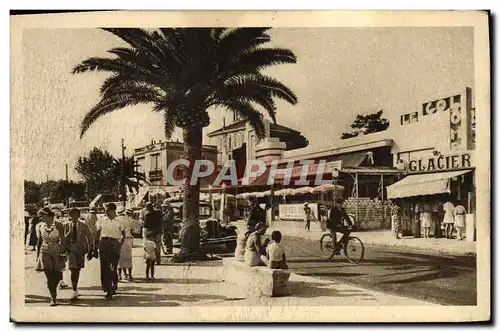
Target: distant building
154, 159
237, 141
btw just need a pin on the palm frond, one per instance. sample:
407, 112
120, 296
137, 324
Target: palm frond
241, 40
262, 58
169, 123
115, 102
246, 111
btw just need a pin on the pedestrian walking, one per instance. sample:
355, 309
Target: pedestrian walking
152, 221
417, 211
79, 242
150, 254
168, 226
426, 219
436, 221
32, 236
91, 220
459, 213
111, 235
257, 214
396, 221
125, 262
27, 218
50, 251
308, 216
449, 219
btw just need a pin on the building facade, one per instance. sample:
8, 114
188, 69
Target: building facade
154, 160
427, 157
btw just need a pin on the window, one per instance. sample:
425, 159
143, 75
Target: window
155, 161
140, 164
229, 143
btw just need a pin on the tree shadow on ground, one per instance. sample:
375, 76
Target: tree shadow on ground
131, 300
330, 274
424, 275
311, 290
324, 260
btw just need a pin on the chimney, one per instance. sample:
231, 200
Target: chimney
152, 141
224, 123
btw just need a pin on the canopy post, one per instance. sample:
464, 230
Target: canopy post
357, 197
381, 191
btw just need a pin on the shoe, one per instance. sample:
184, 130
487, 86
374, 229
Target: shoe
109, 296
75, 296
53, 303
130, 278
63, 285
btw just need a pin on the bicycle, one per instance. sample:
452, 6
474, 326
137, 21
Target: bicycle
353, 248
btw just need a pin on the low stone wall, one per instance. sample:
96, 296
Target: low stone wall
256, 281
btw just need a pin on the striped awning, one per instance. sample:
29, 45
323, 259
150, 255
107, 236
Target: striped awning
423, 184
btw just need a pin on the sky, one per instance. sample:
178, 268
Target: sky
340, 72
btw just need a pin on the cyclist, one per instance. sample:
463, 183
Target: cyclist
335, 223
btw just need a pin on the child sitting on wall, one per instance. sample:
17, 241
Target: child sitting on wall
275, 258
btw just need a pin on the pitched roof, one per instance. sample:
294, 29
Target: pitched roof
231, 127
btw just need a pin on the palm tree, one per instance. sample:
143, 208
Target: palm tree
103, 173
183, 73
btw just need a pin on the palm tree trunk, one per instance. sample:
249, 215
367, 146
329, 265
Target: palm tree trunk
190, 226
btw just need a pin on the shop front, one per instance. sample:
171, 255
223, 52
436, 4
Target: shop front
433, 181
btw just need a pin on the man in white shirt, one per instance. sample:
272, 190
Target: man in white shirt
111, 235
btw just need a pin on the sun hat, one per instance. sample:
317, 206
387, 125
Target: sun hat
46, 211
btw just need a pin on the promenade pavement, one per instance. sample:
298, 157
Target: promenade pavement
198, 284
378, 238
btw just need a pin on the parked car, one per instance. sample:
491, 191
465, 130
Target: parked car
212, 231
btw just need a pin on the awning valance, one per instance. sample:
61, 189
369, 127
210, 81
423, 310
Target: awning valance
423, 184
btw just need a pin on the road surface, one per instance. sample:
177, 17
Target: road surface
446, 280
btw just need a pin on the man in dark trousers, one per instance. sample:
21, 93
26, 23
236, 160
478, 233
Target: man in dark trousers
111, 235
335, 223
168, 225
152, 221
257, 214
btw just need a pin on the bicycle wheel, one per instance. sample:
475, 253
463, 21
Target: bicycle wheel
326, 246
354, 250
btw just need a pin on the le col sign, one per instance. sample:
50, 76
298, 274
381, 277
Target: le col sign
441, 163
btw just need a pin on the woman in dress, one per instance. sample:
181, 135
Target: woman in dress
32, 237
50, 251
448, 219
459, 212
125, 262
254, 247
241, 242
426, 219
